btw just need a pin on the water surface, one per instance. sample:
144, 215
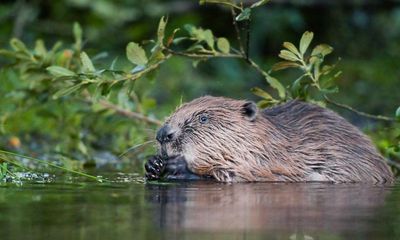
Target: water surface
130, 209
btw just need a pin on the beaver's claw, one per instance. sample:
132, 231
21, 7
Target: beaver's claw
174, 168
154, 167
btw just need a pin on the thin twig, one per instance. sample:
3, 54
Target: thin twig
135, 99
225, 3
367, 115
235, 24
256, 67
119, 110
150, 68
247, 39
201, 55
129, 114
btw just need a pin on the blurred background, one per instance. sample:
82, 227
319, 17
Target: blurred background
365, 35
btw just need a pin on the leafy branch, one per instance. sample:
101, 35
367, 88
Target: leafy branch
67, 71
316, 74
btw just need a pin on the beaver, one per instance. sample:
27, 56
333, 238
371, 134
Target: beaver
233, 141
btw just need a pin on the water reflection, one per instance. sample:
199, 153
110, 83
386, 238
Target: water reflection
128, 209
292, 211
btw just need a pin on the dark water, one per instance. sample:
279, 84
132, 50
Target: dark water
198, 210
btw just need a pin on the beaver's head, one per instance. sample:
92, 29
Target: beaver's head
209, 131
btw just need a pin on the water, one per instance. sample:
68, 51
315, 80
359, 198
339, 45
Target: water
130, 209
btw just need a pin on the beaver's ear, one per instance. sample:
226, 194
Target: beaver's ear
250, 110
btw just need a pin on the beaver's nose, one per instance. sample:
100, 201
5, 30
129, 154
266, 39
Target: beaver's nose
165, 134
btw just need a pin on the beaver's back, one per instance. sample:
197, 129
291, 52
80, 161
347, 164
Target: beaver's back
329, 146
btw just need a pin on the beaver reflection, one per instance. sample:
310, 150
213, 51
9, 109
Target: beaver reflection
280, 208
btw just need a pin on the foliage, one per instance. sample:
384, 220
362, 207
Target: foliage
314, 73
15, 159
36, 91
3, 171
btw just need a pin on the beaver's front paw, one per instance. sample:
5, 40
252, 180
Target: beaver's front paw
176, 168
154, 167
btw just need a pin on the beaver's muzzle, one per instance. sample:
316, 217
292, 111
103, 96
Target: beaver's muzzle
165, 134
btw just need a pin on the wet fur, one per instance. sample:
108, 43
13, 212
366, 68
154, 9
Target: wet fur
292, 142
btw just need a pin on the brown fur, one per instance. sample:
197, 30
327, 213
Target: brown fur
294, 142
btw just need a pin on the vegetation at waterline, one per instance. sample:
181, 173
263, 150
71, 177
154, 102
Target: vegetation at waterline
81, 108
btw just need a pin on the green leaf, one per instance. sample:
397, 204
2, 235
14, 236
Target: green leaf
40, 48
285, 54
67, 91
18, 45
291, 47
397, 114
322, 49
104, 88
56, 46
196, 48
284, 64
315, 60
223, 45
87, 65
261, 93
136, 54
274, 83
60, 71
11, 54
266, 103
190, 29
161, 31
326, 69
259, 3
337, 74
244, 15
300, 85
179, 40
52, 53
209, 38
329, 90
305, 41
77, 30
201, 35
296, 85
316, 102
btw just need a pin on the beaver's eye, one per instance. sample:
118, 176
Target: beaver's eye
203, 118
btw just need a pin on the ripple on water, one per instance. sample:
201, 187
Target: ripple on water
126, 207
